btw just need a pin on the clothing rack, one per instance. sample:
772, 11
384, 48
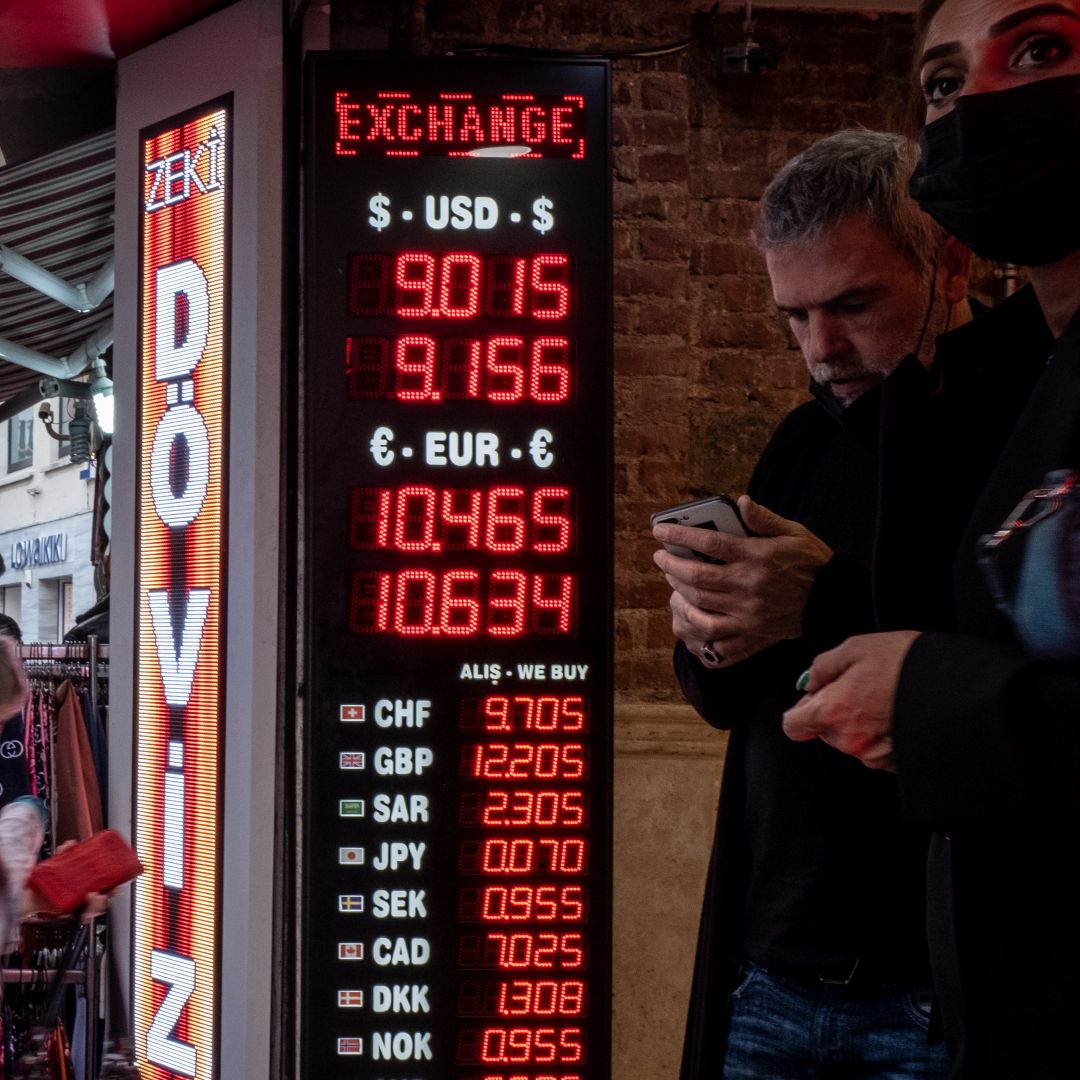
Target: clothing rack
91, 653
37, 658
85, 976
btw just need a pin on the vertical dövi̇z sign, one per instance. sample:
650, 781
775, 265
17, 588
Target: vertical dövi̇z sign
183, 349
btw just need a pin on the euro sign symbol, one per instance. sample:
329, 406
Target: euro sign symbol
380, 218
380, 446
538, 448
543, 220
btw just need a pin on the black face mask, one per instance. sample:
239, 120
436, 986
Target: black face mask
1001, 172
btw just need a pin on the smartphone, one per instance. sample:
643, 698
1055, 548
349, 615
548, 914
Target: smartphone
718, 512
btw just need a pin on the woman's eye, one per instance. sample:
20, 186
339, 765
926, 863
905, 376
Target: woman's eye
1040, 51
938, 88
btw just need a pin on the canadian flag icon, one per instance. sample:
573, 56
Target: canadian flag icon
352, 714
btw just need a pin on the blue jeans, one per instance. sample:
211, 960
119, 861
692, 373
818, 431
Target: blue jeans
786, 1028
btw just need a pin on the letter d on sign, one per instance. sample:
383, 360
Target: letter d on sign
182, 314
180, 458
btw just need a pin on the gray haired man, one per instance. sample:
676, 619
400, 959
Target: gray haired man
812, 959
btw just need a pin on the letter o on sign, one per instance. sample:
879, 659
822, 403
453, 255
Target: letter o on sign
180, 506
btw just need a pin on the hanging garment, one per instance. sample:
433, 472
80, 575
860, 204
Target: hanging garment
14, 773
99, 747
76, 793
39, 714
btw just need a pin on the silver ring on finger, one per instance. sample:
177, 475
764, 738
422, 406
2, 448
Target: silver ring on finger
709, 656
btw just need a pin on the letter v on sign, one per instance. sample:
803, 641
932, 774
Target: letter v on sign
178, 662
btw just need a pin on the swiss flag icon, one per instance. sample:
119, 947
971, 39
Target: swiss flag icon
352, 714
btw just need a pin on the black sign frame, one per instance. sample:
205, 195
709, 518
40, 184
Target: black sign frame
432, 895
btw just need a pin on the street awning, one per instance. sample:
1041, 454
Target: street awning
56, 211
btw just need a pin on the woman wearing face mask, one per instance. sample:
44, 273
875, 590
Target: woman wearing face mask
984, 730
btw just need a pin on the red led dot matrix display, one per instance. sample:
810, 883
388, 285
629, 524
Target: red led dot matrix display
505, 519
460, 285
504, 369
456, 379
403, 122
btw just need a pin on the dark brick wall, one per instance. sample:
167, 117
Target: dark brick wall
704, 368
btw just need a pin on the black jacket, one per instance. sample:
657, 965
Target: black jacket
988, 750
889, 484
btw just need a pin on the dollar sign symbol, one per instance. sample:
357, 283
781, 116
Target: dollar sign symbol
380, 218
543, 220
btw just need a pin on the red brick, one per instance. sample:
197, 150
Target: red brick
662, 243
646, 279
625, 159
662, 317
637, 508
624, 240
587, 19
739, 183
456, 17
732, 218
742, 331
624, 90
522, 16
644, 397
663, 438
724, 256
668, 204
646, 592
660, 130
621, 130
743, 149
665, 93
624, 629
663, 475
658, 632
743, 293
784, 146
664, 167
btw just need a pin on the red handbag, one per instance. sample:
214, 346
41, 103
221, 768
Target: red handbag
99, 864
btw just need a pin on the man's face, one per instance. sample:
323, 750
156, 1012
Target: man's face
855, 303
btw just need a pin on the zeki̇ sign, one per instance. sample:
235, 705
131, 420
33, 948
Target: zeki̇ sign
179, 682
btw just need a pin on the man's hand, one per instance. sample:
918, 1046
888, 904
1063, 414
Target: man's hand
752, 601
13, 687
849, 698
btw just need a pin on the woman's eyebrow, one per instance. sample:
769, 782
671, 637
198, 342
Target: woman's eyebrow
1018, 17
946, 48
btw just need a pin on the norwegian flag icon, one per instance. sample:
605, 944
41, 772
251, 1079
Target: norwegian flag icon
350, 999
353, 714
350, 950
350, 1046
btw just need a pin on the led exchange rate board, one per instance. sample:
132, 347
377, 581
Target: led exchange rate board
457, 437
